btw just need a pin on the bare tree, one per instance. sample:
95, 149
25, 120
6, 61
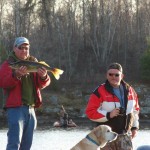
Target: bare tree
79, 36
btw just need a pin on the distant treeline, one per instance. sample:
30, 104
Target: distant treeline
80, 36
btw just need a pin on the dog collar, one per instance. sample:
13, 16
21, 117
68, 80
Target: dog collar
90, 139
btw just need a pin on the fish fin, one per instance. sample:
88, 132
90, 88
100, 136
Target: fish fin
57, 72
43, 63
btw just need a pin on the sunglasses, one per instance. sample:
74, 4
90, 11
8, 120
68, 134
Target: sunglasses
23, 47
114, 74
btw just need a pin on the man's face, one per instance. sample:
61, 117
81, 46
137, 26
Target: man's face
114, 76
22, 52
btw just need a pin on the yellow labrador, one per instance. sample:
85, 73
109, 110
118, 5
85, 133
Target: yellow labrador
98, 137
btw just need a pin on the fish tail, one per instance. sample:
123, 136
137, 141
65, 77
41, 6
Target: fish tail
56, 72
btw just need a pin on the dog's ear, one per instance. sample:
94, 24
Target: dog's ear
98, 131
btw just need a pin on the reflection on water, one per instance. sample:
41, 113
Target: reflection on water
61, 139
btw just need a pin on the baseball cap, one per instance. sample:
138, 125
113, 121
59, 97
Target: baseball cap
115, 66
21, 40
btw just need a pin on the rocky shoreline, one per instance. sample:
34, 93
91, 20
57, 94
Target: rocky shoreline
74, 100
46, 122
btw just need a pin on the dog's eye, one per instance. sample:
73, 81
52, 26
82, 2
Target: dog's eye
108, 130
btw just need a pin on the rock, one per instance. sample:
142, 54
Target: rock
54, 100
86, 98
82, 113
145, 110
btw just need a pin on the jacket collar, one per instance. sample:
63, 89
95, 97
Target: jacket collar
109, 88
125, 85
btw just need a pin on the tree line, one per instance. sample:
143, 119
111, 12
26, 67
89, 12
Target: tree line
79, 36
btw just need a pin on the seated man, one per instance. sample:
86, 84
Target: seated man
64, 121
71, 123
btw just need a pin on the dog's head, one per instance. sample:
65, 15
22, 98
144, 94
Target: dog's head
104, 134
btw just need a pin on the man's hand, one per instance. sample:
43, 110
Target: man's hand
21, 71
134, 133
42, 72
114, 113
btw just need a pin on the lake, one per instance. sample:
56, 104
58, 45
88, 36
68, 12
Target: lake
64, 139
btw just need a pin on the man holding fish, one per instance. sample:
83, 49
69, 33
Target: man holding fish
22, 93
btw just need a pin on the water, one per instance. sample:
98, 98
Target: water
60, 139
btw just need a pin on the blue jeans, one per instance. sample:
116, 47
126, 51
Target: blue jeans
21, 124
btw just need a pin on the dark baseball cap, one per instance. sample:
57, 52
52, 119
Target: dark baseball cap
115, 66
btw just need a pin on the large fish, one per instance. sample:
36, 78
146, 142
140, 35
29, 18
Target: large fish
33, 67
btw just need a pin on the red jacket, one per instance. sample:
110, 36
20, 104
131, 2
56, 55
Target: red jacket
12, 86
103, 100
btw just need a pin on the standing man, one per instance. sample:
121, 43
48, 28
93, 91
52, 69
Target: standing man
22, 95
115, 103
